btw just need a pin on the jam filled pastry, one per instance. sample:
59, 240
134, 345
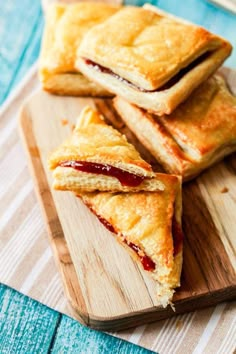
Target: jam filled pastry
201, 131
149, 58
98, 157
148, 225
65, 27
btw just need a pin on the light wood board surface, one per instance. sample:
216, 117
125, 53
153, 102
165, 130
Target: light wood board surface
106, 288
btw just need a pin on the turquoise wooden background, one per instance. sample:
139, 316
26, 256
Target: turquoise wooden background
25, 325
21, 24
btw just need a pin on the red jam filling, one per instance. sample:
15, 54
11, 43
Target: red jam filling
166, 86
106, 224
146, 261
177, 236
124, 177
104, 70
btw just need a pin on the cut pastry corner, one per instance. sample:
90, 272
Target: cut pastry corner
165, 296
98, 157
88, 116
148, 226
166, 285
166, 290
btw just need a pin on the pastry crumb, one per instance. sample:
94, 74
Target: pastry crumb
72, 126
64, 121
179, 324
224, 190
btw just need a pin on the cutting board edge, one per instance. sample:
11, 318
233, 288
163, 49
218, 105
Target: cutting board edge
158, 313
62, 263
102, 323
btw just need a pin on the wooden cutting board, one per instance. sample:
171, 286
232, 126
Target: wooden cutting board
106, 289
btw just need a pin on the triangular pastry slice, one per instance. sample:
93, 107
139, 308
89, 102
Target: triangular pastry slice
150, 58
99, 157
148, 225
200, 132
66, 24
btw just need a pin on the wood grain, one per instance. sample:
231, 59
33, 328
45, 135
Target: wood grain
74, 338
106, 288
25, 325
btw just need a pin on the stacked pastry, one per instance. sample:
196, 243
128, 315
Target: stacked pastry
162, 71
65, 28
142, 208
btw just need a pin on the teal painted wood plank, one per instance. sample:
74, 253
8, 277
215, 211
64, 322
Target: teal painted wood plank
21, 25
202, 13
25, 325
73, 338
31, 52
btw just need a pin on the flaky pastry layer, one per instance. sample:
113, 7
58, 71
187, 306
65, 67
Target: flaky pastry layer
150, 58
143, 224
201, 131
65, 27
72, 180
73, 84
87, 160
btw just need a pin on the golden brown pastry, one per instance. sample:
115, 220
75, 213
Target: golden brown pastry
98, 157
201, 131
149, 58
148, 224
65, 27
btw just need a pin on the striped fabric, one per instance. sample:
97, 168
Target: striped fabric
26, 261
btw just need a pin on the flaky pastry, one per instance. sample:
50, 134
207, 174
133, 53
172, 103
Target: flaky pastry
148, 224
66, 24
98, 157
200, 132
149, 58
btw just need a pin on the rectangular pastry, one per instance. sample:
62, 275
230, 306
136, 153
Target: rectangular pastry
65, 27
200, 132
99, 157
148, 225
149, 58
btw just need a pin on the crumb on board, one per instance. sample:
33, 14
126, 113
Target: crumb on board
72, 126
224, 190
64, 121
179, 324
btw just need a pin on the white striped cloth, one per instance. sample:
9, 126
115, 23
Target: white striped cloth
26, 261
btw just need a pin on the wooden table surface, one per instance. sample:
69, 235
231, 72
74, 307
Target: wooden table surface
26, 326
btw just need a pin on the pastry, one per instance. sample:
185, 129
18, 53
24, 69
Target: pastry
65, 27
149, 58
148, 225
201, 131
98, 157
